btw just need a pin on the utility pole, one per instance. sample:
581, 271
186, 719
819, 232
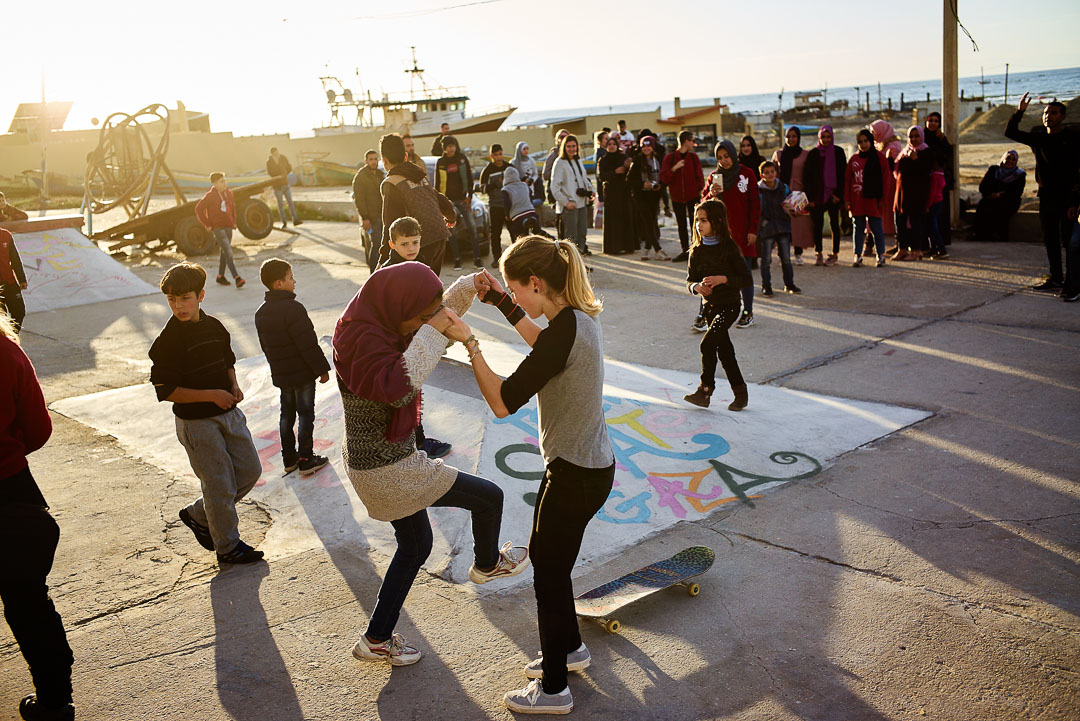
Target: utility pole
1006, 83
950, 97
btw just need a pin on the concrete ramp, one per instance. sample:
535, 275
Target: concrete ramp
64, 268
674, 462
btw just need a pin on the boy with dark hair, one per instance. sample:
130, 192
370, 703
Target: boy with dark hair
453, 178
279, 167
491, 180
405, 238
288, 341
193, 369
681, 173
407, 191
217, 212
12, 279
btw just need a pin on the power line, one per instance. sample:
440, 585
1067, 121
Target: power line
952, 6
430, 11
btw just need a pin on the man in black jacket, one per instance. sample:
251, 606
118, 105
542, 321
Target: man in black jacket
1057, 153
288, 340
368, 201
278, 167
436, 144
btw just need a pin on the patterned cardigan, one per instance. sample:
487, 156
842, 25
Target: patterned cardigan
395, 480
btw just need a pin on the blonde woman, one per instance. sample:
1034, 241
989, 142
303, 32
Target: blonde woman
565, 370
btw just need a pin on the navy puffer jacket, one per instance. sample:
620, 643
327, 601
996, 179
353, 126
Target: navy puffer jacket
288, 339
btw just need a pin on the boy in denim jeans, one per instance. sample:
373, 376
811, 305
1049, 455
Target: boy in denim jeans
193, 369
775, 229
288, 340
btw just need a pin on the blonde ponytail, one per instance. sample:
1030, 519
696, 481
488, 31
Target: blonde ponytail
558, 263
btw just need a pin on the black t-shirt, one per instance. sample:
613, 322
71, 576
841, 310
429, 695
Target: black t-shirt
192, 355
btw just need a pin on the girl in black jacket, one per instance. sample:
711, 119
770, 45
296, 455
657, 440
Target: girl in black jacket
717, 272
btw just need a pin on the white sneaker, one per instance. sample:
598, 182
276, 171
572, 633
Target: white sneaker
577, 660
645, 254
394, 650
660, 255
512, 561
798, 260
532, 699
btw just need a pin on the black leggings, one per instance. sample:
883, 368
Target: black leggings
29, 536
11, 299
716, 344
817, 218
647, 204
568, 499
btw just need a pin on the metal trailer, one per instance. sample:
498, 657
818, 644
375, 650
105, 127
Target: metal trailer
179, 225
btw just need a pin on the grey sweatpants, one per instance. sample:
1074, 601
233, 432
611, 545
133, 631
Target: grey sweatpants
224, 458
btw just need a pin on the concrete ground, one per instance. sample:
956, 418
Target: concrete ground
932, 574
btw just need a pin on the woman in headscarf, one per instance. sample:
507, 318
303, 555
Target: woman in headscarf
1002, 187
386, 344
792, 159
749, 157
618, 226
941, 147
912, 192
525, 165
886, 141
735, 185
599, 149
824, 180
863, 190
643, 178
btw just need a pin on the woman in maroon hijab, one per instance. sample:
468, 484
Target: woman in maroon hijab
386, 344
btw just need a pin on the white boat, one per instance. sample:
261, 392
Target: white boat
418, 113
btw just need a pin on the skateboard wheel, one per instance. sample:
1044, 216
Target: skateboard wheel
612, 626
693, 589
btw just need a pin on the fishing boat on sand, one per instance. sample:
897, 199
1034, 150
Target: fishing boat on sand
418, 113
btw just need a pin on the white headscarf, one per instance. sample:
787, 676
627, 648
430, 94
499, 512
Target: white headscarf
524, 164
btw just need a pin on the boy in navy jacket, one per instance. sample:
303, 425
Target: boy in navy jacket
288, 340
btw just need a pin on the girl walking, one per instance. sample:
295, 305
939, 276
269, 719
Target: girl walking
386, 344
716, 272
864, 187
572, 190
565, 370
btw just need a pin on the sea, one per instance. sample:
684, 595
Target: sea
1044, 85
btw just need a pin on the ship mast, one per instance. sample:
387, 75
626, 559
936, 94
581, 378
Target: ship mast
416, 73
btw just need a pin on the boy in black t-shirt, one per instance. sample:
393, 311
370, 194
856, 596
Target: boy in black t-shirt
193, 369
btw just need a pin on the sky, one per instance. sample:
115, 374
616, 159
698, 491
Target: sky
255, 67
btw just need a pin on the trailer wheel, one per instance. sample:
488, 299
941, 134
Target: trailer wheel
253, 219
191, 237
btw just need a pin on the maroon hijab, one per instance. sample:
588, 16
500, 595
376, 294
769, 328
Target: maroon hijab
368, 346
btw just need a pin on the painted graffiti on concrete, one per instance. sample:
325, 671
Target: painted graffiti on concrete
666, 462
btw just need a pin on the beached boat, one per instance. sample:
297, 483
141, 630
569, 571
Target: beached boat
417, 113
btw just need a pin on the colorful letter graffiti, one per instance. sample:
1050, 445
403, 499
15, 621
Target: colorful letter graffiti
666, 461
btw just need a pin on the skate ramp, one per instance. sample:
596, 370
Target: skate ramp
674, 462
64, 268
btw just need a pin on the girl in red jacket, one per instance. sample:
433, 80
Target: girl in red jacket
736, 186
866, 178
29, 536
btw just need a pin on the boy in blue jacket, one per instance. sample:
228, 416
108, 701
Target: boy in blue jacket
288, 340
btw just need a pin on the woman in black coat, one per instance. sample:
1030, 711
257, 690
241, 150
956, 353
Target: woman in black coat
611, 170
823, 178
1001, 189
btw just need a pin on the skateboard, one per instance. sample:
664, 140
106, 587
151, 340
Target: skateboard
601, 602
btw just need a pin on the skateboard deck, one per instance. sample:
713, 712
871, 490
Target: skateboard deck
602, 601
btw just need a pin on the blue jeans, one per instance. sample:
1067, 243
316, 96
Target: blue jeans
783, 248
297, 401
1072, 260
748, 291
876, 229
464, 215
933, 218
372, 242
285, 192
483, 499
223, 236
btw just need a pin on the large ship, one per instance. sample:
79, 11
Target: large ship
420, 112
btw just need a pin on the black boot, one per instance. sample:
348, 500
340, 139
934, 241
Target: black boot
740, 398
700, 397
